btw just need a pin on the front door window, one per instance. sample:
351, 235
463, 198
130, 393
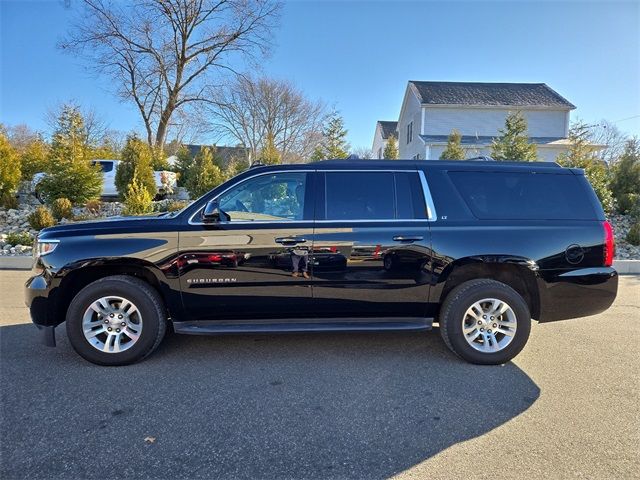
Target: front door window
271, 197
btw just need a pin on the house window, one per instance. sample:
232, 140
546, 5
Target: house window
380, 153
409, 132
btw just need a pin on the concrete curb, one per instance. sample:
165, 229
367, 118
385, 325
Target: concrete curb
23, 262
627, 267
624, 267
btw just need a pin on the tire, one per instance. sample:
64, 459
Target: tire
145, 320
460, 308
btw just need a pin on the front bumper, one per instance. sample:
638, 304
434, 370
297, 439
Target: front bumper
576, 293
40, 303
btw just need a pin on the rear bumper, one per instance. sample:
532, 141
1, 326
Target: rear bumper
577, 293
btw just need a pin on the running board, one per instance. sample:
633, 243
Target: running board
208, 327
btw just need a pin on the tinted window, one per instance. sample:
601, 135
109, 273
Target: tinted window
359, 196
106, 166
409, 198
520, 195
279, 196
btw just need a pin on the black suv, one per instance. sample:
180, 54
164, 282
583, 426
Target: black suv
339, 245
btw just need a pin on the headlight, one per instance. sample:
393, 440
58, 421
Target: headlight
44, 247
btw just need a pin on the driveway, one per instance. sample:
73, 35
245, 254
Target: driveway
367, 406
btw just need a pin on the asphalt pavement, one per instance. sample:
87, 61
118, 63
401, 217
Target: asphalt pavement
357, 406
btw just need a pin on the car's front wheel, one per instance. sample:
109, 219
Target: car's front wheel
485, 322
116, 320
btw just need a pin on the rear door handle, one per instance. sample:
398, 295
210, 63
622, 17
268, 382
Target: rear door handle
402, 238
290, 240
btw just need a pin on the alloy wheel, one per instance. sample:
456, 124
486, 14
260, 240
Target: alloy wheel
112, 324
489, 325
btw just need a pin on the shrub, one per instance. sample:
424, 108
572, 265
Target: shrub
77, 181
93, 206
176, 205
82, 217
62, 208
136, 161
41, 218
598, 177
634, 211
627, 202
633, 237
9, 171
19, 238
625, 183
137, 201
9, 200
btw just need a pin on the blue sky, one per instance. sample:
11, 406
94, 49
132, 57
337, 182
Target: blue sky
358, 56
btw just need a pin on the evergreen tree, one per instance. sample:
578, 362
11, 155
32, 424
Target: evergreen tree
136, 161
204, 174
269, 155
336, 145
513, 142
72, 175
69, 139
9, 172
454, 150
581, 154
235, 166
334, 140
318, 154
184, 162
391, 149
35, 158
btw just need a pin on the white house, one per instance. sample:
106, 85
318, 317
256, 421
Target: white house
384, 129
431, 110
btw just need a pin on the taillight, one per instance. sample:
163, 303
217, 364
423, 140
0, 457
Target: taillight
609, 244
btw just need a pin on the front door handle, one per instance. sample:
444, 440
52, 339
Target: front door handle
290, 240
402, 238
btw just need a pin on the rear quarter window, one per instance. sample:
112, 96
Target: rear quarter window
524, 195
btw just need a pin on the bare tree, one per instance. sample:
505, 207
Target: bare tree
249, 110
606, 133
161, 54
363, 153
21, 136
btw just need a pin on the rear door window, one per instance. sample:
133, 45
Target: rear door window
410, 202
523, 195
373, 196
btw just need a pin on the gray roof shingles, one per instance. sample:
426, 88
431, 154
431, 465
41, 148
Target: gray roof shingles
490, 94
388, 128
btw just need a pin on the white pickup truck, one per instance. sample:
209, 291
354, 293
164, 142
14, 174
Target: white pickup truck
165, 180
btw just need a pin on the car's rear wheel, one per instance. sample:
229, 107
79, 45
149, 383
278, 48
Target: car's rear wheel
485, 322
116, 320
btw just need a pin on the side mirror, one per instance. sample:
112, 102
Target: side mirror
213, 214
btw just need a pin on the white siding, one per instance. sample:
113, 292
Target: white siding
411, 112
545, 153
488, 121
378, 142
